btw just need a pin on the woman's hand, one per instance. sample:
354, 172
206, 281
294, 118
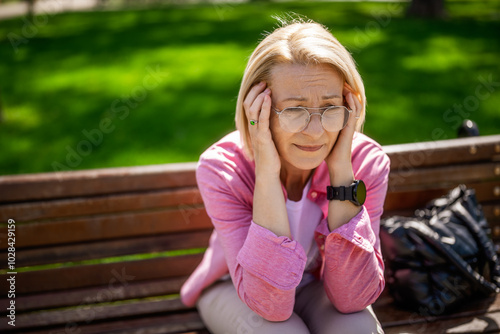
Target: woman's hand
340, 166
269, 209
257, 105
339, 159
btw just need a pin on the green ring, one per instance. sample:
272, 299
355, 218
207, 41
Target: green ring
252, 122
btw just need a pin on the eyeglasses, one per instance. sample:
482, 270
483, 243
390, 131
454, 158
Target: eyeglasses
296, 119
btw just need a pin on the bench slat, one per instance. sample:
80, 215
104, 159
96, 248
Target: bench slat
93, 182
155, 324
107, 274
90, 313
444, 152
45, 209
99, 294
109, 226
443, 177
111, 248
485, 192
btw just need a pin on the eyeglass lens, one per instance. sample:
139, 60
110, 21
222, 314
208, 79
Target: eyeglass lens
295, 119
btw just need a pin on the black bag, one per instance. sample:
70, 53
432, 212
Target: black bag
442, 256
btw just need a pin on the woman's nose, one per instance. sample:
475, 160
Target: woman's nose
314, 128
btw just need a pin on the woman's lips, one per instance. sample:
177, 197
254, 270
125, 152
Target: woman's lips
309, 148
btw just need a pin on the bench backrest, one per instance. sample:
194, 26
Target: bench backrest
110, 248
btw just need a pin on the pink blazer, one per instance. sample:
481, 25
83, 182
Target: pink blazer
266, 268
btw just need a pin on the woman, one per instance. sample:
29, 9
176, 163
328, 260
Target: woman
286, 195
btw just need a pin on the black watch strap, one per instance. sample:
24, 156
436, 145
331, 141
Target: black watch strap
339, 193
355, 193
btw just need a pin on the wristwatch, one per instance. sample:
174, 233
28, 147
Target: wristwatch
356, 193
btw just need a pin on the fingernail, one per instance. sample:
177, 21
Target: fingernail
267, 91
262, 83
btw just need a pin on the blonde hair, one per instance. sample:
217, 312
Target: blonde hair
296, 42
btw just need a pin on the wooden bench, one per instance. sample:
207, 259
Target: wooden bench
97, 251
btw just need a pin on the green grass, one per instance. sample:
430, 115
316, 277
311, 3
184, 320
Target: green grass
75, 67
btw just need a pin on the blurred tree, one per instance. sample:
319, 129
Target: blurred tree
427, 9
31, 8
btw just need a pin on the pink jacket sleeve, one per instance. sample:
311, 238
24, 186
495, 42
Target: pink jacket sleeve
353, 268
264, 268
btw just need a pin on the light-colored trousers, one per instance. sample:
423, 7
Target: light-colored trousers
224, 313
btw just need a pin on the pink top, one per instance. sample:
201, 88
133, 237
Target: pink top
266, 269
304, 217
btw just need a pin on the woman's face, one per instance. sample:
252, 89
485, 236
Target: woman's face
313, 86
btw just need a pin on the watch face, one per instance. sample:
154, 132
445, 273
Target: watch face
360, 192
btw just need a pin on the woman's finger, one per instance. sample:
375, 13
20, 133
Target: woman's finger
252, 95
254, 111
355, 103
351, 100
347, 87
265, 111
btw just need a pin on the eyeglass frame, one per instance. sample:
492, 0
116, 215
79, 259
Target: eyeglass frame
279, 112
